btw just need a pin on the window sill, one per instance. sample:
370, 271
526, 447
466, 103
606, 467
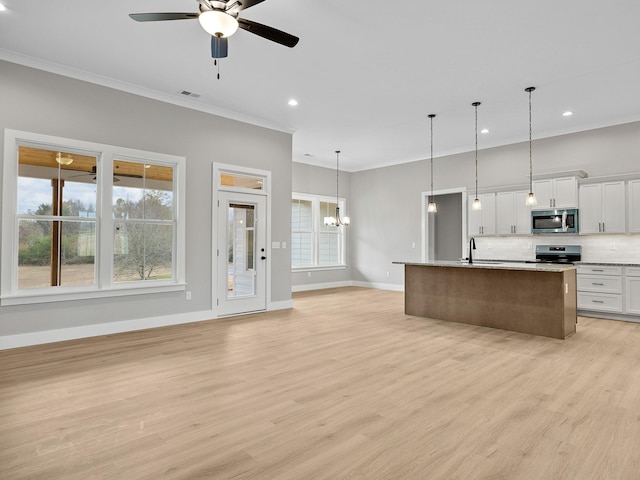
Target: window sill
318, 269
33, 297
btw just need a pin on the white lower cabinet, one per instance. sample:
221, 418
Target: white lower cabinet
632, 290
600, 288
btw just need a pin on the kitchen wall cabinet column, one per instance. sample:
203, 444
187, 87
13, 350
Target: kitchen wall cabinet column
482, 222
556, 193
634, 205
602, 207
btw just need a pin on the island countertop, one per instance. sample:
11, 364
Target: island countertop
494, 264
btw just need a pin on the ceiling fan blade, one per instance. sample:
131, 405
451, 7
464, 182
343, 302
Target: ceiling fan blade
269, 33
219, 46
159, 17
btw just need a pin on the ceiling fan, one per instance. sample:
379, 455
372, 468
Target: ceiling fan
220, 20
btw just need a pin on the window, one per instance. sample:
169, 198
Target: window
313, 244
83, 220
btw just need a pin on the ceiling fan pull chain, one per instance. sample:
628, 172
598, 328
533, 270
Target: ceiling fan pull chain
218, 63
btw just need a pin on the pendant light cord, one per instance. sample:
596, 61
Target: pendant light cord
431, 144
337, 176
530, 89
476, 104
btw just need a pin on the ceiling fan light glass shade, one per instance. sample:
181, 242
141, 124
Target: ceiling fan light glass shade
218, 23
432, 208
531, 199
63, 160
476, 205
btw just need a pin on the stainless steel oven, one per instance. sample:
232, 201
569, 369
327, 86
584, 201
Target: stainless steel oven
554, 221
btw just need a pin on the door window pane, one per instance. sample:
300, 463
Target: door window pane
241, 250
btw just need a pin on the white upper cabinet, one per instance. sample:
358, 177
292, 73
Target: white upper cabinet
482, 222
634, 206
602, 207
556, 193
513, 216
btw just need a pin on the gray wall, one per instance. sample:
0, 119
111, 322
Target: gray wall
40, 102
322, 181
386, 201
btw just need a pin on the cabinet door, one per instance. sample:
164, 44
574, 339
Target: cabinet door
591, 208
523, 213
634, 206
544, 193
632, 295
505, 213
565, 192
613, 207
488, 213
474, 219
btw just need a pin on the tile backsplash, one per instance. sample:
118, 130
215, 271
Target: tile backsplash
595, 248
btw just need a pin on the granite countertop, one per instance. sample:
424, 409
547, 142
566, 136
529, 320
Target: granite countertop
495, 264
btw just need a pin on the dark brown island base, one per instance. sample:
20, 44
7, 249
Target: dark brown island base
521, 297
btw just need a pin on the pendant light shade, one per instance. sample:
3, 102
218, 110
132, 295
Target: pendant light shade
337, 221
531, 198
476, 205
432, 208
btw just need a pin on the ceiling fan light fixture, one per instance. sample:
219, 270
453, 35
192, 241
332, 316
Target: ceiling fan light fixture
218, 23
66, 160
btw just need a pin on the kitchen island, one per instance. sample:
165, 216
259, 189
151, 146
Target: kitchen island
521, 297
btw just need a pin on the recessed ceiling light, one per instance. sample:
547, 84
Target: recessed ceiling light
293, 102
568, 113
2, 8
485, 130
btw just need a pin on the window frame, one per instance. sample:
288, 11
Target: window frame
317, 223
104, 285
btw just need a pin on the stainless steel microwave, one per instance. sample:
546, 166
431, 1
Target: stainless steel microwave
554, 221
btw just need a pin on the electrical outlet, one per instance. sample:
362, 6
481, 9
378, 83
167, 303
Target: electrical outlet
413, 245
387, 274
612, 246
187, 295
284, 244
309, 274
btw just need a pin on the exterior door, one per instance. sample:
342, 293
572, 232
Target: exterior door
241, 253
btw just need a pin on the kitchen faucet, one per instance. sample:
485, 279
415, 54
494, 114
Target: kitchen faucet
472, 246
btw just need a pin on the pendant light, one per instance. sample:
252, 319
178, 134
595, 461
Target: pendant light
476, 202
337, 221
531, 198
432, 208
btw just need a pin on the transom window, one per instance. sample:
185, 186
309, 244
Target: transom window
313, 244
84, 220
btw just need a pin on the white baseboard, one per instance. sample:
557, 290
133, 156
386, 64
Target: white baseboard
321, 286
73, 333
379, 286
282, 305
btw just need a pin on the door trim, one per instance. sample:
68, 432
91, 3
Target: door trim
217, 169
425, 244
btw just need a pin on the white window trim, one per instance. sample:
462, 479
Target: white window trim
104, 287
316, 221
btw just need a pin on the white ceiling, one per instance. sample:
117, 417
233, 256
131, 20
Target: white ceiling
366, 72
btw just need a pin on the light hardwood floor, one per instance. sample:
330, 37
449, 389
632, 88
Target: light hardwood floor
344, 386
